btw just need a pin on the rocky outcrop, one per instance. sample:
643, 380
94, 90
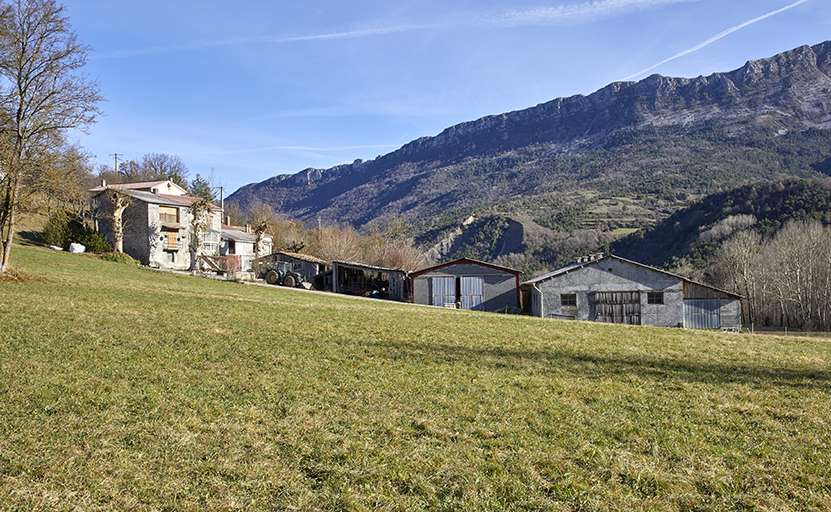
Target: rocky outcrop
794, 85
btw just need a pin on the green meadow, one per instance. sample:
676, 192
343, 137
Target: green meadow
123, 388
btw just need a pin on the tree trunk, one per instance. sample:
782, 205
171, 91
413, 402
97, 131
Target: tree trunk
8, 225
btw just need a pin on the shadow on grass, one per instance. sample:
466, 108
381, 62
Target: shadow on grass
597, 365
28, 238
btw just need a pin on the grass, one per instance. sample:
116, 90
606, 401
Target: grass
124, 388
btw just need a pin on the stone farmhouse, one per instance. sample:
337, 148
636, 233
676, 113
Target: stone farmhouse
157, 223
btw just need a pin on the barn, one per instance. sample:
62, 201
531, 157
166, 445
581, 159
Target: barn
616, 290
466, 284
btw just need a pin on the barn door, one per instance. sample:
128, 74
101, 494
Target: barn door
618, 307
472, 292
444, 291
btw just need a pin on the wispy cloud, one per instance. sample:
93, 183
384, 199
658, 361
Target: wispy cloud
560, 15
578, 13
715, 38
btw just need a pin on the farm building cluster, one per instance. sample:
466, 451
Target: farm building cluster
159, 231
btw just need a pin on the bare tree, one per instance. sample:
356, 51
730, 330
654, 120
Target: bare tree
44, 96
160, 166
64, 184
120, 201
263, 219
290, 235
389, 245
337, 244
739, 257
199, 222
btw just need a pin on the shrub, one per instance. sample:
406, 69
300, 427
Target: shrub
119, 257
94, 242
56, 230
62, 229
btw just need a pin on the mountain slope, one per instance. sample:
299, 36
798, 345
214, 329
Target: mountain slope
695, 233
579, 170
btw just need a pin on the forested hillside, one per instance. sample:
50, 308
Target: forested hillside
545, 183
695, 233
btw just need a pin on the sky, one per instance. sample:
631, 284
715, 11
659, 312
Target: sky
252, 90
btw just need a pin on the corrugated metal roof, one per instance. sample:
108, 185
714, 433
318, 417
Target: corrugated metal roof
238, 236
463, 261
303, 257
367, 267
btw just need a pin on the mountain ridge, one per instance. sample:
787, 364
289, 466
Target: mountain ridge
659, 137
655, 88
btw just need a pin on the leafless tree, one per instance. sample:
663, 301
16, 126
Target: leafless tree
786, 279
263, 219
337, 244
120, 201
739, 257
160, 166
43, 96
389, 245
199, 222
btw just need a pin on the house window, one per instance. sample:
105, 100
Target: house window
655, 298
210, 242
169, 214
568, 299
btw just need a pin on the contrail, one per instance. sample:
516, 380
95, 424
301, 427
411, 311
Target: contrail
577, 13
568, 14
715, 38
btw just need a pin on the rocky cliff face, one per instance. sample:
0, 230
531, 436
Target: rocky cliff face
794, 86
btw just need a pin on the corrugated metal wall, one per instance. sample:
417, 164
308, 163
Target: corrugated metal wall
702, 314
444, 291
472, 293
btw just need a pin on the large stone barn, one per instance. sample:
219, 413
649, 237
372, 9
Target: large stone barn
466, 284
613, 289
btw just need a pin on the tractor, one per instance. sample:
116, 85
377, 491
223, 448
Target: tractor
282, 274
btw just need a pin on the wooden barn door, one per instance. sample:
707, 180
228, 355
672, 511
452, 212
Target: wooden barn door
618, 307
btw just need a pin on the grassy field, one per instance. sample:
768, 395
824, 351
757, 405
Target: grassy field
127, 389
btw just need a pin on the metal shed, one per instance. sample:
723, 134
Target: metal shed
466, 284
369, 281
308, 266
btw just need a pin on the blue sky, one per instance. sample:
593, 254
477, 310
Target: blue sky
263, 88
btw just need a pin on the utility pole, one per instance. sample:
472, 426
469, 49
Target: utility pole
116, 161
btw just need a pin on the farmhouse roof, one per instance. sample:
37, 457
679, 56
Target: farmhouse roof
302, 257
148, 186
367, 267
153, 198
237, 235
